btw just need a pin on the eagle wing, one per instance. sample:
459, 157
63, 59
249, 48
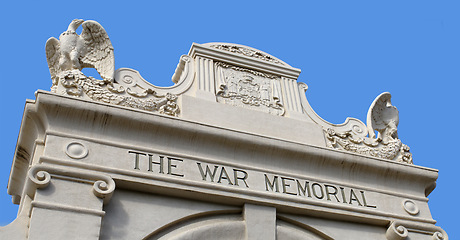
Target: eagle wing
98, 50
53, 55
381, 113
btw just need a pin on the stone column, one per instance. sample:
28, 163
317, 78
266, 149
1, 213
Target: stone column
260, 222
66, 203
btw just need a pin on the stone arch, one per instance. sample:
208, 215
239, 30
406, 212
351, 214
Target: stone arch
288, 229
216, 226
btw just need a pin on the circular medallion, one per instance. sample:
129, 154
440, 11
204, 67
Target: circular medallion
76, 150
411, 207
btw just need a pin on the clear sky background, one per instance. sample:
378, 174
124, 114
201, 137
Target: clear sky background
349, 53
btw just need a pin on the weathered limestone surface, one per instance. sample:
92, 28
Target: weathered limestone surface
233, 150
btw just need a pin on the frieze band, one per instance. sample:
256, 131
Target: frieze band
247, 179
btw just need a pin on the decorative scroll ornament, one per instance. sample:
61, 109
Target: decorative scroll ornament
93, 49
400, 230
40, 177
249, 89
247, 52
439, 236
383, 118
396, 231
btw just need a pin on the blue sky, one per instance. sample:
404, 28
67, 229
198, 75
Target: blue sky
349, 52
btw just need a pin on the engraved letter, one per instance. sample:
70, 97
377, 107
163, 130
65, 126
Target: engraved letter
314, 191
136, 159
204, 175
151, 162
328, 194
222, 172
342, 190
235, 174
273, 184
365, 202
170, 166
305, 189
353, 197
284, 184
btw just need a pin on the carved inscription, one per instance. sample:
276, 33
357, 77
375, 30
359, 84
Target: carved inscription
227, 176
320, 191
219, 174
157, 163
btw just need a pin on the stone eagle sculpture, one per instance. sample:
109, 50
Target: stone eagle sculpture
383, 118
91, 49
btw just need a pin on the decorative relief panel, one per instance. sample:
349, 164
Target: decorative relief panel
93, 49
249, 89
383, 118
392, 150
75, 83
246, 51
235, 85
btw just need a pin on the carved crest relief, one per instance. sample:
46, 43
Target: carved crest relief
249, 89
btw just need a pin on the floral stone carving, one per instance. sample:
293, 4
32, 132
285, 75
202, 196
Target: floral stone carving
249, 89
383, 118
247, 52
77, 84
93, 49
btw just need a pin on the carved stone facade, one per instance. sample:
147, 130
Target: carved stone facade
78, 85
247, 51
382, 117
247, 88
232, 150
391, 150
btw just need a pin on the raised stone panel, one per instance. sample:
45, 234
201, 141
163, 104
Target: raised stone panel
65, 225
260, 222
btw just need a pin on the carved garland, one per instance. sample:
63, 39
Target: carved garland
247, 52
76, 83
391, 150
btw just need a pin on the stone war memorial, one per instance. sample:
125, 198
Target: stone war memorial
232, 150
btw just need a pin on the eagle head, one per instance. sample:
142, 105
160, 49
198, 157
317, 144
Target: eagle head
75, 24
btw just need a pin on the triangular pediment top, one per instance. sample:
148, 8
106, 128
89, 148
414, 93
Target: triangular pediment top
244, 56
245, 51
